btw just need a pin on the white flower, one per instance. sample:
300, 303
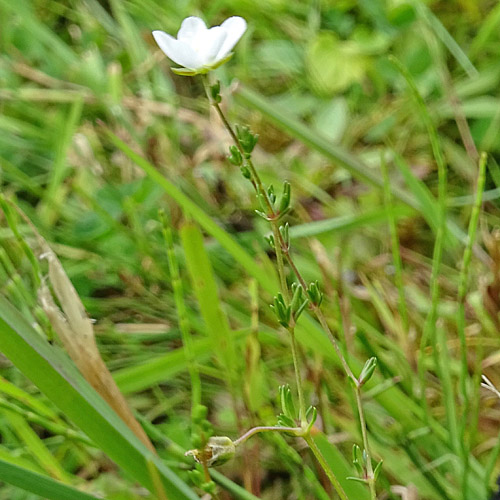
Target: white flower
199, 49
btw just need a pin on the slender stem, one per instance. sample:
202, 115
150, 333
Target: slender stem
462, 294
267, 428
321, 318
364, 434
282, 250
279, 259
208, 478
259, 187
396, 254
324, 464
298, 379
53, 427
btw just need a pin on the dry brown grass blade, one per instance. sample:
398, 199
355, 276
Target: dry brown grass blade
76, 332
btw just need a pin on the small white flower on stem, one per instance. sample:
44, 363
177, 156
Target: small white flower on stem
199, 49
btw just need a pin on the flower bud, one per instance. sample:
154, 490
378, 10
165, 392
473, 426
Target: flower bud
219, 449
367, 371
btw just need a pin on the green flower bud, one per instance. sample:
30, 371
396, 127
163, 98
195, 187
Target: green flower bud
367, 371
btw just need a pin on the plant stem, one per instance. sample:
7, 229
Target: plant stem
259, 187
267, 428
364, 434
321, 318
282, 250
324, 464
298, 378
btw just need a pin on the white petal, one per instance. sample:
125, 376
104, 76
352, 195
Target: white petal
178, 51
191, 29
235, 27
211, 43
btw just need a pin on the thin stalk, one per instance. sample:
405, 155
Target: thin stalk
369, 467
298, 431
464, 272
52, 427
279, 259
462, 294
206, 473
429, 331
259, 187
321, 318
324, 464
298, 378
282, 250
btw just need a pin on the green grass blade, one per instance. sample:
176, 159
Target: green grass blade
38, 484
443, 34
347, 222
395, 246
56, 376
36, 447
142, 376
205, 288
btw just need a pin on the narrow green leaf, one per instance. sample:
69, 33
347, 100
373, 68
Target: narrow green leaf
205, 287
38, 484
142, 376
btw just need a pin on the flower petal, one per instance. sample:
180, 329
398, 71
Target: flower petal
191, 29
235, 27
176, 50
210, 44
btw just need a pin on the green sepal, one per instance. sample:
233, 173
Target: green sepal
284, 421
185, 71
285, 234
311, 416
357, 459
201, 71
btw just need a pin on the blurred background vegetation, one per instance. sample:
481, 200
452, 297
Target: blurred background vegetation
69, 70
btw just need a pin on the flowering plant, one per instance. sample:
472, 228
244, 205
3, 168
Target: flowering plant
199, 49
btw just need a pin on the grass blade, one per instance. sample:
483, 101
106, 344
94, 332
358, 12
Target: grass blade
43, 486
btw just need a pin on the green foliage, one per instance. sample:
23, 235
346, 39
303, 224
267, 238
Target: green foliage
97, 134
